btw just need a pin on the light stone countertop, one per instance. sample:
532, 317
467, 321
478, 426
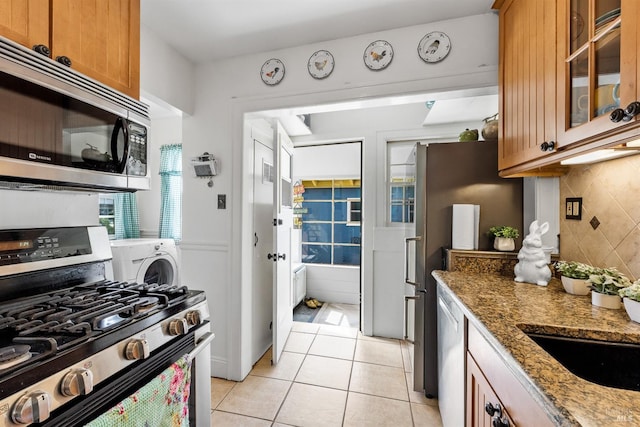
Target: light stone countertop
499, 307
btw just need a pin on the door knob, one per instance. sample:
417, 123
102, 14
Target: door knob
276, 256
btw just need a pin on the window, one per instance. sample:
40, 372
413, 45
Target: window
331, 222
171, 191
353, 211
107, 214
401, 175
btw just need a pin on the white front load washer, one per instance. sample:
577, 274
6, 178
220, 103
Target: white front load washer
145, 261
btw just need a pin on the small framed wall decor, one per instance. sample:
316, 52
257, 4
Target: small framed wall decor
378, 55
320, 64
272, 72
434, 47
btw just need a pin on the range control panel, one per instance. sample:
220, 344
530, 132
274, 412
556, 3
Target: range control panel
29, 245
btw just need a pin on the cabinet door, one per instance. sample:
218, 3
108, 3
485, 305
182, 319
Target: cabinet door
479, 394
597, 66
527, 80
101, 38
25, 21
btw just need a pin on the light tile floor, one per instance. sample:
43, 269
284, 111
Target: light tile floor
327, 376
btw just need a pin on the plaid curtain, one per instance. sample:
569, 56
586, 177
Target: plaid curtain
126, 216
171, 191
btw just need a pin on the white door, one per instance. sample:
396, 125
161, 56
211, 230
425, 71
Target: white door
282, 230
262, 293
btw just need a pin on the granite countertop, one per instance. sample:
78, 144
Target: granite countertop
501, 309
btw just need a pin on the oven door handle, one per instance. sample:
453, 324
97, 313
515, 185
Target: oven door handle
202, 343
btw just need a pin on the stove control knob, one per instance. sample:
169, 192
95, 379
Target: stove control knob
178, 327
137, 350
32, 407
193, 317
78, 382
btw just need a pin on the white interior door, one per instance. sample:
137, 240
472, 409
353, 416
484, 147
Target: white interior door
282, 230
262, 282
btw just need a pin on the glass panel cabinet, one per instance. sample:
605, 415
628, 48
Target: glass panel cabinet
597, 67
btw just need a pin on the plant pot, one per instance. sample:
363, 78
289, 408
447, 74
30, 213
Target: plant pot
575, 286
504, 244
633, 309
606, 301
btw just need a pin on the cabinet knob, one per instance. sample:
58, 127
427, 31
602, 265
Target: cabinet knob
617, 115
547, 146
492, 409
42, 50
500, 422
64, 60
631, 111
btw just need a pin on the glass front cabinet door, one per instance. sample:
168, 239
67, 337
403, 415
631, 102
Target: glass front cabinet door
598, 68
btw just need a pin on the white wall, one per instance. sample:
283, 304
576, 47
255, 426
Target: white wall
333, 283
326, 161
164, 73
219, 241
24, 209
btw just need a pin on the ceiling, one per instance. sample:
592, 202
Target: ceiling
209, 30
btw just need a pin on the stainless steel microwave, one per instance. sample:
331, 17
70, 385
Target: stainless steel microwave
59, 128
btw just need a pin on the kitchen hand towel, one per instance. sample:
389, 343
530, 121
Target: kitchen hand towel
465, 226
163, 402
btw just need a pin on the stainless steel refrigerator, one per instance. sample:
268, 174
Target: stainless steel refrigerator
447, 174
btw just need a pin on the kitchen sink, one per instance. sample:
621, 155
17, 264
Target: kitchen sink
610, 364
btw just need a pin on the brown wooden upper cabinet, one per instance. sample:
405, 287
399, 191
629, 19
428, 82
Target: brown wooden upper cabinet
99, 38
598, 68
527, 80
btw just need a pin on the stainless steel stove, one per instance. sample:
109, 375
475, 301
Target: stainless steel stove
72, 343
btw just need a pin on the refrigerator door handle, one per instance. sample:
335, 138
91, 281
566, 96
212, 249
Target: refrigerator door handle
407, 242
407, 298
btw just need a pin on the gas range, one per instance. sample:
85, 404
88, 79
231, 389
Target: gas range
67, 333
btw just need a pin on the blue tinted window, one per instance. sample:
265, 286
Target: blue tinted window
316, 254
346, 255
316, 232
317, 194
340, 211
317, 211
346, 234
346, 193
397, 193
396, 213
410, 192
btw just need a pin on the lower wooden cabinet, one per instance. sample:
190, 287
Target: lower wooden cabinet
484, 409
489, 380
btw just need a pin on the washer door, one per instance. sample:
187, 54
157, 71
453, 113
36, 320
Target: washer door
159, 269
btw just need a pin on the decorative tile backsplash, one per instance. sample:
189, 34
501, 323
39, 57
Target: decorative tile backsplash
610, 192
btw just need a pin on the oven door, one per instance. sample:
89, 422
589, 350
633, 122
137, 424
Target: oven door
108, 394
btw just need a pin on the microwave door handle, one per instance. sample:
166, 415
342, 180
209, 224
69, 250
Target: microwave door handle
407, 241
120, 163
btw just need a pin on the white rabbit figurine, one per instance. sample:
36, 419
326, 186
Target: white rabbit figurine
532, 264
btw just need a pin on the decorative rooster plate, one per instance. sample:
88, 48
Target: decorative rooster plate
378, 55
272, 72
321, 64
434, 47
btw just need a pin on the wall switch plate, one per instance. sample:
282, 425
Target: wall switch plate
573, 208
222, 201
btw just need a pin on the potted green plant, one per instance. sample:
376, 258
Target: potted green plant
631, 299
606, 284
574, 275
504, 236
